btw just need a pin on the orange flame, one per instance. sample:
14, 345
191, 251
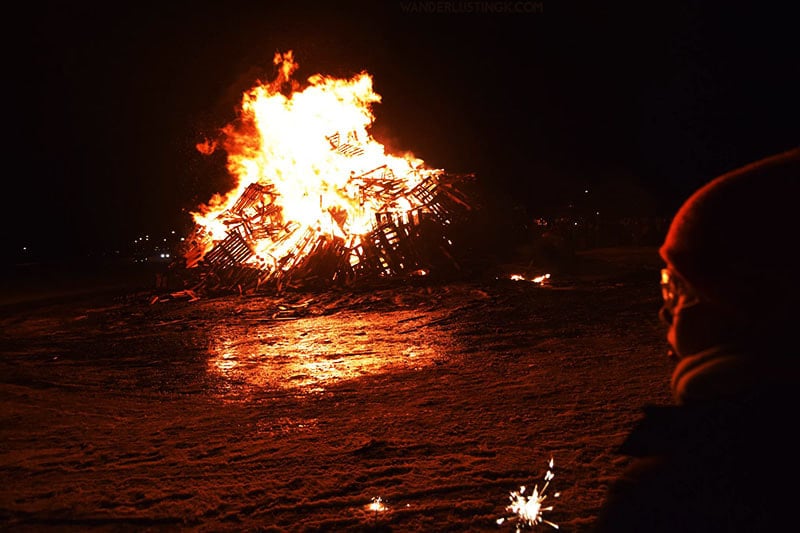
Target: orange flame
206, 147
311, 149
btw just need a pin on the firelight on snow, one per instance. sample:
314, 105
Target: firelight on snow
529, 510
309, 356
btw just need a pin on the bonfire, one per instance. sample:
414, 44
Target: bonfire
318, 201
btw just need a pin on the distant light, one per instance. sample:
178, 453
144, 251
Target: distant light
24, 248
182, 238
173, 232
586, 191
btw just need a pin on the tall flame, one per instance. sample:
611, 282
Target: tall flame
309, 154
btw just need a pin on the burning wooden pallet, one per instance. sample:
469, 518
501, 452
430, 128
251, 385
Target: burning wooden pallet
319, 200
401, 242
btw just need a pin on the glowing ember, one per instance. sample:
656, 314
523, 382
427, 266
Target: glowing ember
312, 182
541, 279
537, 279
528, 510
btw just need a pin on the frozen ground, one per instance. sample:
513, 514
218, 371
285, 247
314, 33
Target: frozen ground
293, 413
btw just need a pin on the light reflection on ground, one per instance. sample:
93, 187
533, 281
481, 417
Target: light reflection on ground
309, 354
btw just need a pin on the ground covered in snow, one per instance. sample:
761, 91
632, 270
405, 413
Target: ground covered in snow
294, 412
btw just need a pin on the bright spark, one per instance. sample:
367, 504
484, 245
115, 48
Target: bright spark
529, 510
377, 505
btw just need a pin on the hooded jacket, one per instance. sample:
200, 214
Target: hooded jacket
723, 459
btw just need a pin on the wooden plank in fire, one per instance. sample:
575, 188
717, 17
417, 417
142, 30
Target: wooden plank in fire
385, 189
352, 252
253, 194
425, 191
266, 222
390, 242
254, 231
240, 225
350, 150
369, 261
345, 148
265, 231
231, 251
295, 255
425, 198
438, 202
246, 223
386, 193
231, 220
268, 211
404, 219
381, 173
288, 230
320, 265
385, 184
334, 140
379, 181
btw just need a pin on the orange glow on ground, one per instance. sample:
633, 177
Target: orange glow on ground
314, 353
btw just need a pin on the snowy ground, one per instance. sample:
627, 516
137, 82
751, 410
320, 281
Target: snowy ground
293, 413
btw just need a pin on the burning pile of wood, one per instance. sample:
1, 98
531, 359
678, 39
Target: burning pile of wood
318, 201
401, 244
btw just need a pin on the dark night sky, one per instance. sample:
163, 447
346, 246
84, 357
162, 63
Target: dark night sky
639, 103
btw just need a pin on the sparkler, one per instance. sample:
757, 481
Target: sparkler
528, 510
377, 506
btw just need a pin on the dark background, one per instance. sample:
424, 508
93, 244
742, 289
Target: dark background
637, 104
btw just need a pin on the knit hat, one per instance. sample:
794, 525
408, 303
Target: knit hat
735, 241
